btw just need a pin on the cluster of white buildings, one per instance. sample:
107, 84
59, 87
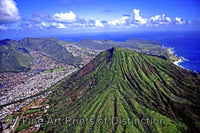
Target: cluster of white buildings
31, 87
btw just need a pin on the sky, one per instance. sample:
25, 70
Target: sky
50, 17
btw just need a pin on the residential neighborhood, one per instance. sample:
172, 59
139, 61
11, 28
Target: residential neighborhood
18, 90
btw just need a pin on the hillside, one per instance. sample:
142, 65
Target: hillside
138, 45
51, 47
74, 53
13, 58
15, 55
106, 44
131, 92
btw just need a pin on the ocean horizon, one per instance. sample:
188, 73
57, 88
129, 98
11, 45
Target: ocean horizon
183, 44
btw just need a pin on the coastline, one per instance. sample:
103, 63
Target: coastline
172, 52
181, 59
178, 61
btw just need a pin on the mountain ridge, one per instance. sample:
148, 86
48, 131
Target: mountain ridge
57, 49
19, 61
124, 84
13, 58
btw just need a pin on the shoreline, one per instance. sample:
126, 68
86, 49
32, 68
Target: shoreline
181, 59
172, 52
178, 61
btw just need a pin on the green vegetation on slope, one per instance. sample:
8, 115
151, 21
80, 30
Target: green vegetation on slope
51, 47
138, 45
15, 55
119, 85
13, 58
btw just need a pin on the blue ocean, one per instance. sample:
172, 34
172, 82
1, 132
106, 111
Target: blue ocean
184, 44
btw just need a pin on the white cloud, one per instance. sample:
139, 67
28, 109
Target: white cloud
8, 11
99, 24
71, 21
160, 19
59, 25
120, 21
42, 25
3, 27
179, 21
65, 17
138, 19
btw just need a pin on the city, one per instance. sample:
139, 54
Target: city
18, 90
